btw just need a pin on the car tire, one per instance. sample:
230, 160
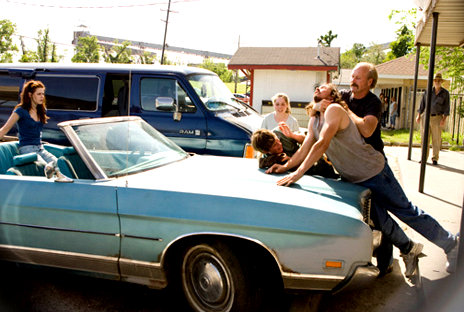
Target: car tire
214, 278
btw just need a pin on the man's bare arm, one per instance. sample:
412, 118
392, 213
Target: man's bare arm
365, 125
12, 120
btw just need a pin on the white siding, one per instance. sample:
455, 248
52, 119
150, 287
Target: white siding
299, 85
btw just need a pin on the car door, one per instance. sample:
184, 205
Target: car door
68, 225
190, 131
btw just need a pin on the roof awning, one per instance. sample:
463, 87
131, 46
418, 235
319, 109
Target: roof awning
450, 22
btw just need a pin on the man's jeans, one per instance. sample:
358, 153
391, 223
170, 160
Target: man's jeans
387, 195
46, 156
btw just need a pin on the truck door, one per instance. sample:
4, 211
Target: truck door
189, 130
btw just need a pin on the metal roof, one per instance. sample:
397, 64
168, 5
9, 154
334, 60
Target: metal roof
450, 22
105, 67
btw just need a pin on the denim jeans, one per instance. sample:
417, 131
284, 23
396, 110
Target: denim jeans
393, 120
44, 156
387, 195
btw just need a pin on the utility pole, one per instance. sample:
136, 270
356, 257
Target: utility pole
236, 71
165, 32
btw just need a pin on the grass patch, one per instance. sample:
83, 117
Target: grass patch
241, 87
402, 137
456, 148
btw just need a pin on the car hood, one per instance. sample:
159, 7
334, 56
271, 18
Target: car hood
248, 119
240, 178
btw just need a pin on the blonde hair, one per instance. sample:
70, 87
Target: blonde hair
286, 99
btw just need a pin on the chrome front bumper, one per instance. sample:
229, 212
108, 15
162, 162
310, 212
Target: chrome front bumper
360, 276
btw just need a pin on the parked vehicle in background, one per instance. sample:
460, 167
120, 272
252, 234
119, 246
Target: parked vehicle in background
242, 97
191, 106
145, 211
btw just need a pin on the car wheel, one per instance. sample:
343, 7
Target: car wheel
214, 279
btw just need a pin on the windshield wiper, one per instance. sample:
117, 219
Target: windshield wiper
219, 102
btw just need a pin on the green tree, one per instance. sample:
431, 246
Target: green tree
219, 68
87, 50
404, 43
147, 58
43, 45
326, 40
118, 53
7, 29
374, 54
350, 58
46, 49
27, 55
167, 61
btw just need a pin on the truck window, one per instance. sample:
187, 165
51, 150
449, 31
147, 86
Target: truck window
151, 88
214, 93
9, 91
70, 92
116, 96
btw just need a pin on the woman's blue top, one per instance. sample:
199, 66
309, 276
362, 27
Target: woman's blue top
30, 131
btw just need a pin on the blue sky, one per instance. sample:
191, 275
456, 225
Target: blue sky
212, 25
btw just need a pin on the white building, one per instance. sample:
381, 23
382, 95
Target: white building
294, 71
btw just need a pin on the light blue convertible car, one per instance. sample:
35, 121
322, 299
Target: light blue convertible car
142, 210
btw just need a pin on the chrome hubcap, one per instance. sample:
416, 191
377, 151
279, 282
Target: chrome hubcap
210, 282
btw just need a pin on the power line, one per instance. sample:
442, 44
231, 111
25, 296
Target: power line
34, 38
95, 7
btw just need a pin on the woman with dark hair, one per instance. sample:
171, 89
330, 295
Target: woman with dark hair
30, 115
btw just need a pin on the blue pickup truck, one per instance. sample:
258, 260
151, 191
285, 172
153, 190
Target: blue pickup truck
190, 105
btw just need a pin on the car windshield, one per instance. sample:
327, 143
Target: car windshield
214, 93
127, 147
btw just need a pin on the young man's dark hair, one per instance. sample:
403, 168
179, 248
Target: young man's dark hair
262, 140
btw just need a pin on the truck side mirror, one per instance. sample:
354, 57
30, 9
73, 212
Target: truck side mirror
164, 103
167, 104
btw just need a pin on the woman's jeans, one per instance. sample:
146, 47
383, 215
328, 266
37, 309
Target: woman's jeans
387, 195
43, 155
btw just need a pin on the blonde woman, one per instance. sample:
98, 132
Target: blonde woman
281, 114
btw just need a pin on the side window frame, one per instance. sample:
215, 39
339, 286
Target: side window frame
63, 78
177, 92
